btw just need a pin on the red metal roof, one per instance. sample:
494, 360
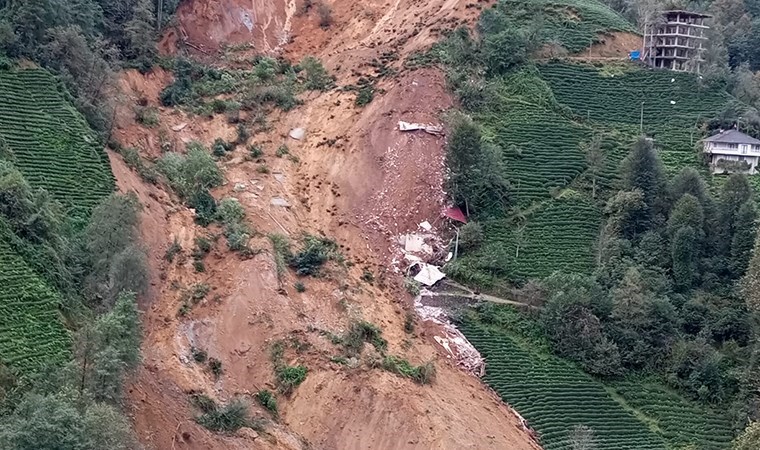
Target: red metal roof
455, 213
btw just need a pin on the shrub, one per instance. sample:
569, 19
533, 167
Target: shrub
230, 211
204, 205
255, 151
215, 366
281, 252
289, 377
367, 276
282, 151
262, 169
191, 173
267, 400
412, 286
199, 355
221, 147
229, 418
361, 332
409, 322
470, 236
202, 247
199, 266
365, 94
325, 15
242, 134
237, 235
424, 374
300, 287
317, 78
172, 251
315, 252
199, 291
147, 115
203, 402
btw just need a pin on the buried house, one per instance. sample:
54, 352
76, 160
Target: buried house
732, 151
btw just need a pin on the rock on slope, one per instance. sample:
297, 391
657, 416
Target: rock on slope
360, 181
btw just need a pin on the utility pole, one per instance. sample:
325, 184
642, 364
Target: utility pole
159, 12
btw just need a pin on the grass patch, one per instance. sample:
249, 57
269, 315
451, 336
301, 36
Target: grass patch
361, 332
267, 400
423, 374
226, 419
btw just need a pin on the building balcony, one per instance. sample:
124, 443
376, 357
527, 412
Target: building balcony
686, 24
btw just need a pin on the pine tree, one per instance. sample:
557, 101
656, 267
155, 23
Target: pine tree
687, 212
733, 195
141, 34
684, 254
642, 170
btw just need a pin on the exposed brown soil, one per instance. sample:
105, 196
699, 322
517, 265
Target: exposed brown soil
614, 45
360, 181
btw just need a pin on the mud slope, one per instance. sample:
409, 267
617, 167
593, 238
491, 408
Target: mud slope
358, 180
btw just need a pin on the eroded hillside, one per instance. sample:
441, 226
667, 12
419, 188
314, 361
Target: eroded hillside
354, 178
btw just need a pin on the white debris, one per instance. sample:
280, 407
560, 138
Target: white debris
436, 130
179, 127
297, 133
672, 102
426, 226
415, 243
279, 177
452, 340
240, 187
278, 201
429, 275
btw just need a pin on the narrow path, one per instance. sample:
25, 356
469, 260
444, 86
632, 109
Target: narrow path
468, 293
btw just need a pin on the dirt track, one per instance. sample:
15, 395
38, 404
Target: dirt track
360, 181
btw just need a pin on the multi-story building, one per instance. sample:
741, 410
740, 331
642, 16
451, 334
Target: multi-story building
732, 151
676, 41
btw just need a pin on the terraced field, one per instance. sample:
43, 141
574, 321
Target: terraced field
555, 396
673, 103
682, 422
31, 331
575, 24
50, 142
558, 235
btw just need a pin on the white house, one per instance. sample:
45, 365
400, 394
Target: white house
732, 151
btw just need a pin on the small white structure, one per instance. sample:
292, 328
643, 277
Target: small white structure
732, 151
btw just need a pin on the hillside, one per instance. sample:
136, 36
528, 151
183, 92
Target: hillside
544, 129
49, 141
267, 188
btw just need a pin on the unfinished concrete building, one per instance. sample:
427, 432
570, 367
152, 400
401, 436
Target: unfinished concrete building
676, 41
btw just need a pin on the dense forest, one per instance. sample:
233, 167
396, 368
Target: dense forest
84, 42
80, 254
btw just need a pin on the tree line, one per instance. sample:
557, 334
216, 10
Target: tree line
84, 42
99, 269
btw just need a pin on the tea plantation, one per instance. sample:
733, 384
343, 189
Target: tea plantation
49, 141
555, 396
31, 331
681, 422
542, 117
574, 24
